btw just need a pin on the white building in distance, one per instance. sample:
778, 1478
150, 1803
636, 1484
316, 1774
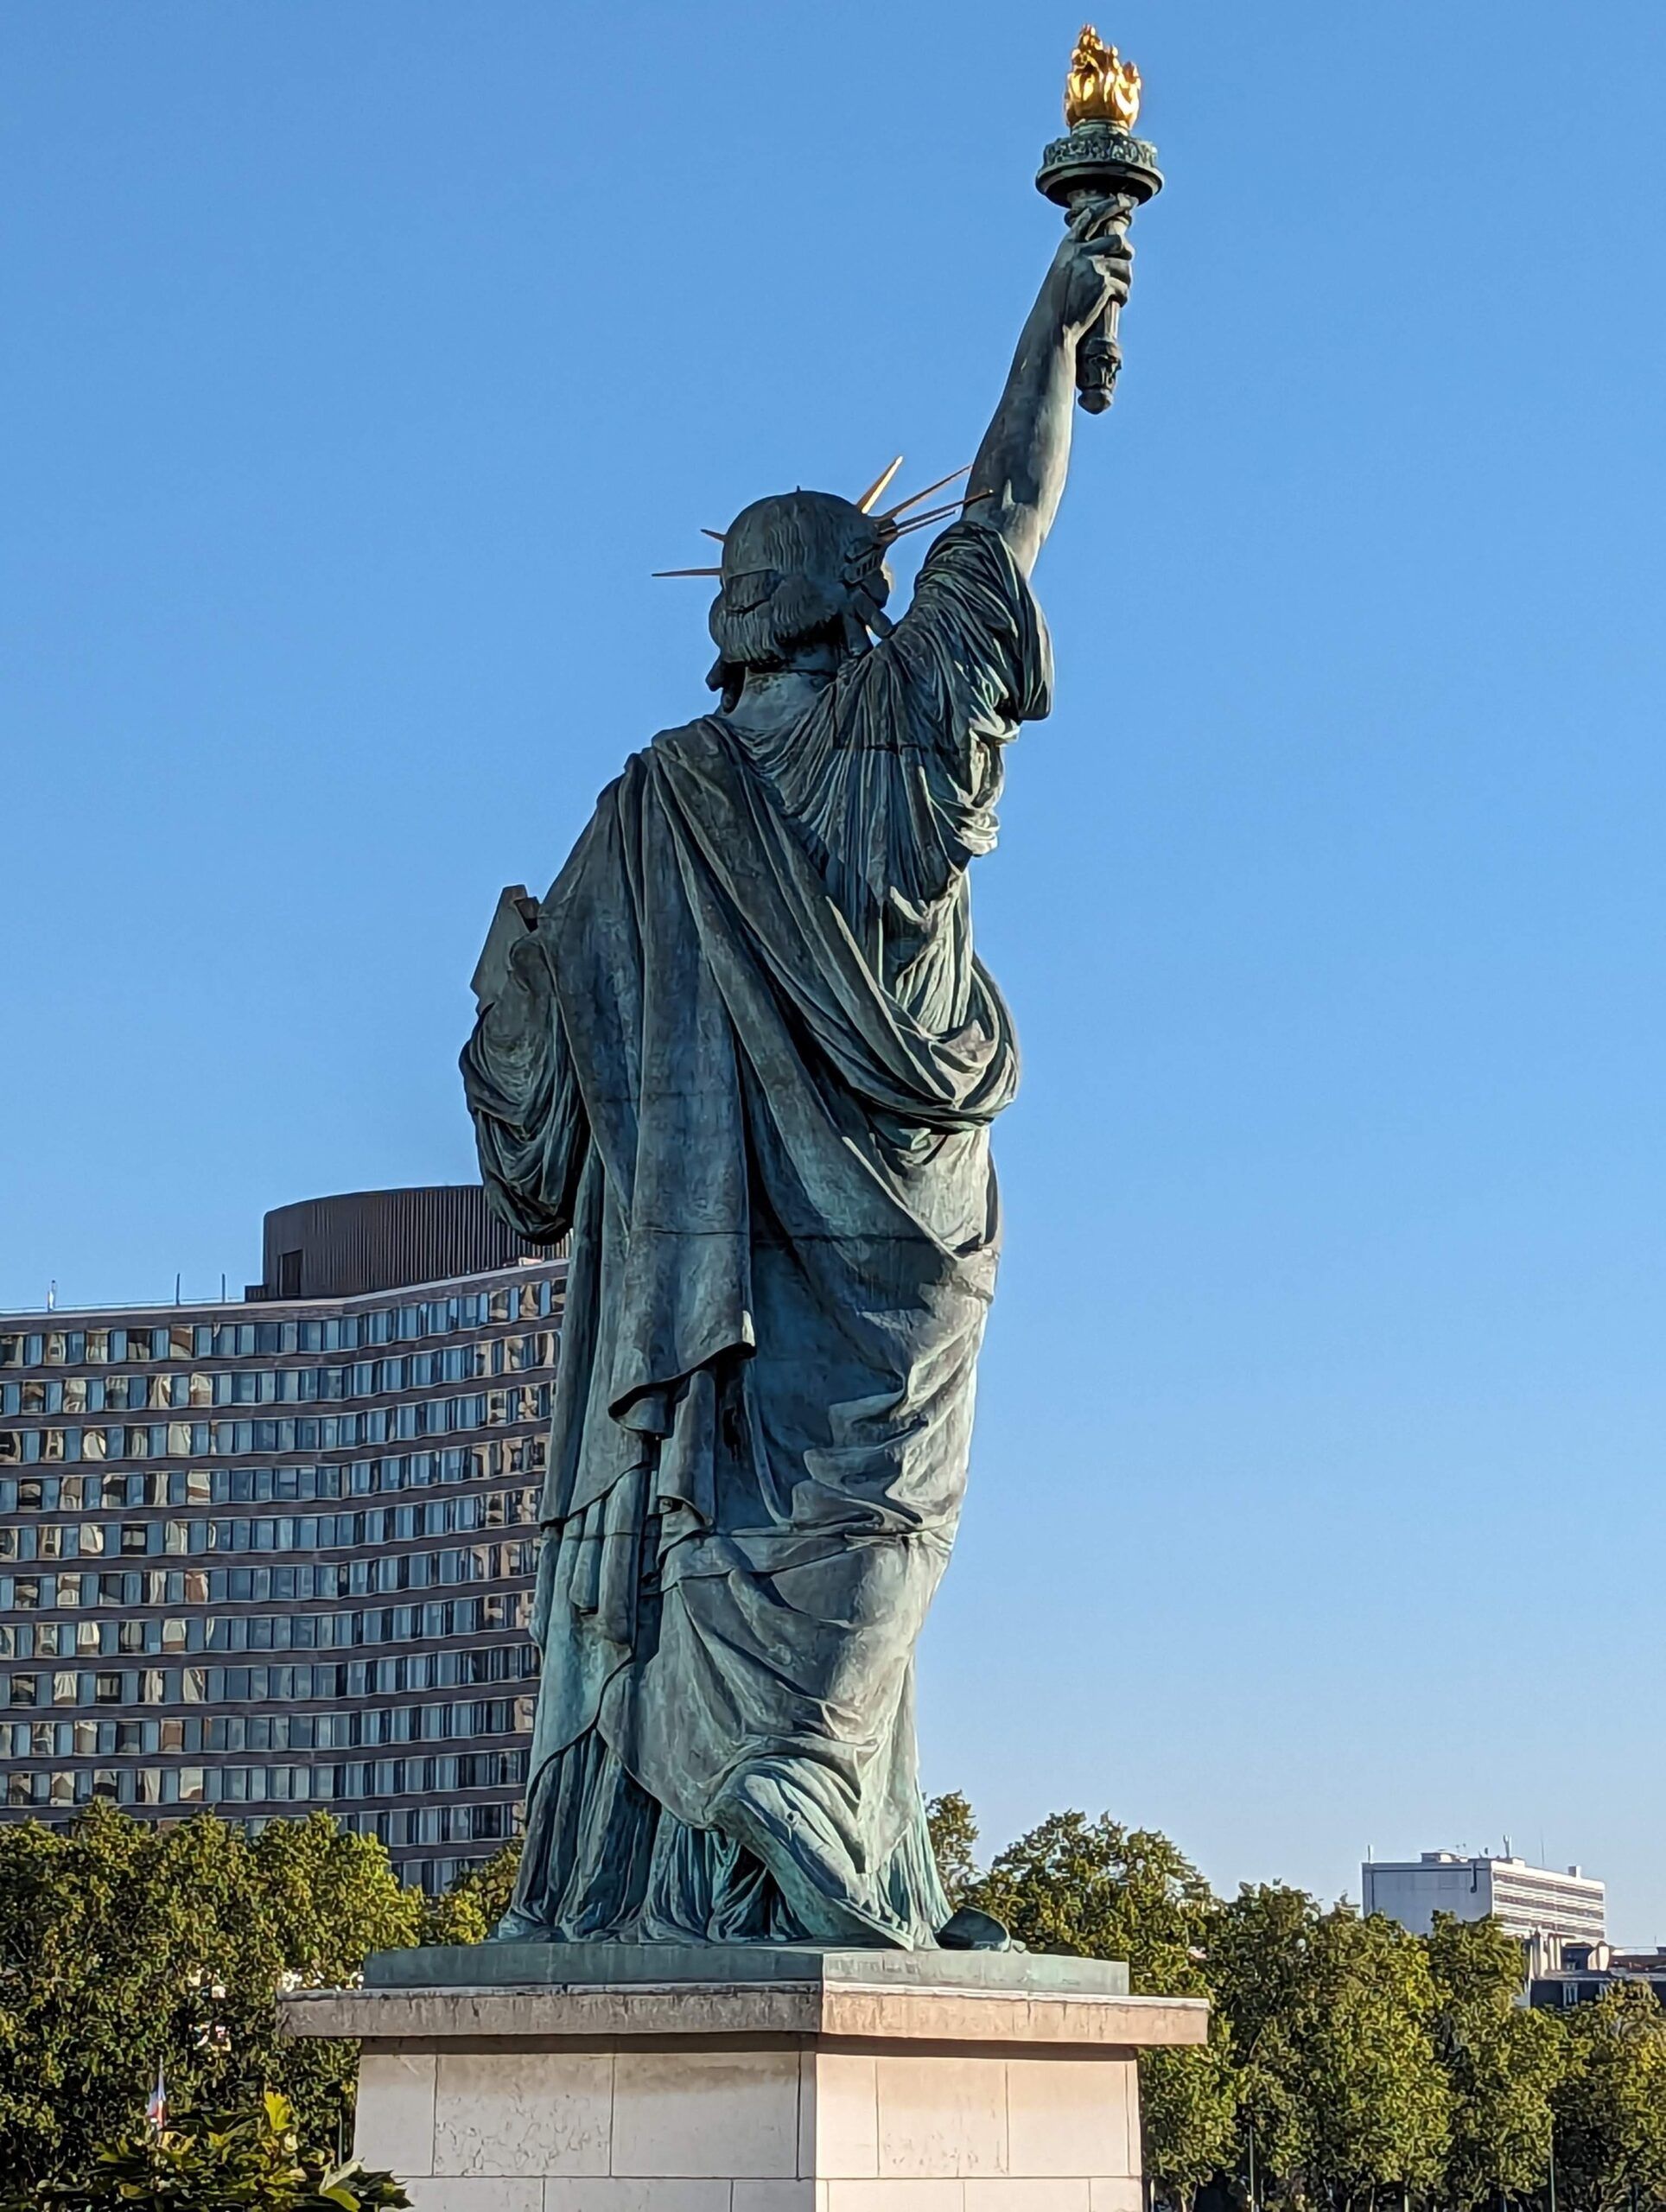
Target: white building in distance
1545, 1910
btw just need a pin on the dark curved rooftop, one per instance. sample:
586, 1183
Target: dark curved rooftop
385, 1240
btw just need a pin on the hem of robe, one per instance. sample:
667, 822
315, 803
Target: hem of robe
604, 1862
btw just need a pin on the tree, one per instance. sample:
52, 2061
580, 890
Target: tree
1364, 2104
125, 1947
204, 2165
1502, 2062
1610, 2104
1104, 1892
475, 1901
1258, 1949
954, 1840
1189, 2115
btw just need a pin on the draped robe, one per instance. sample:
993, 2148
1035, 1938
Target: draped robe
751, 1064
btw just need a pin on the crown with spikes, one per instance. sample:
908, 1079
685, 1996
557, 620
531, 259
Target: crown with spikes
887, 525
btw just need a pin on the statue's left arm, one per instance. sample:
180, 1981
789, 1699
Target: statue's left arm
529, 1124
1018, 477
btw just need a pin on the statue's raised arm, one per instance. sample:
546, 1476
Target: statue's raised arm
1018, 478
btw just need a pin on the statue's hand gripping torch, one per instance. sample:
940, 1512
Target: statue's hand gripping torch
1099, 159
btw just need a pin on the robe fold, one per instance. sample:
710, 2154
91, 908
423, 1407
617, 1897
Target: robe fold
750, 1059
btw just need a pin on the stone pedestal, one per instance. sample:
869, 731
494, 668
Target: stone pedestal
581, 2078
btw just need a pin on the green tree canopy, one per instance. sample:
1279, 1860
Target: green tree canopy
1189, 2116
1610, 2104
1374, 2102
125, 1947
476, 1901
1333, 2020
954, 1842
1502, 2062
1259, 1959
1105, 1892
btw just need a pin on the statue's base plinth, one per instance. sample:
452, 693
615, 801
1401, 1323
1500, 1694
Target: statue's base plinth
645, 2078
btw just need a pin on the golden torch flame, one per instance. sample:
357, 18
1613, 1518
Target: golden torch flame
1101, 87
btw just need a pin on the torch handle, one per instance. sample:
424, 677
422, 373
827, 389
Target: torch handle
1098, 362
1099, 356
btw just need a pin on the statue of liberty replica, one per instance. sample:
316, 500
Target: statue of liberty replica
745, 1055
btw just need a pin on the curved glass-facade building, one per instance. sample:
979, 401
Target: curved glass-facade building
277, 1556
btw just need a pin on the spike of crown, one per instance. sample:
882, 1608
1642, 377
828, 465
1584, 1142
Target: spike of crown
1101, 88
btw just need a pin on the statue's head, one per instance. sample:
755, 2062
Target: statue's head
803, 569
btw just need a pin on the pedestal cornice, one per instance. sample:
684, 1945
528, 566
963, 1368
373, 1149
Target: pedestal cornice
920, 1997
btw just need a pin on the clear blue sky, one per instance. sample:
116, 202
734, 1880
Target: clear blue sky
360, 362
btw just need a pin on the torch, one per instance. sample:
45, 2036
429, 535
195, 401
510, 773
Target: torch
1100, 159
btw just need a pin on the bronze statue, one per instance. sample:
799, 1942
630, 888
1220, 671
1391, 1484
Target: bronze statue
745, 1054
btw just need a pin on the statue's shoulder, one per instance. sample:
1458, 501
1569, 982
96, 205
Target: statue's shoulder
682, 743
704, 740
697, 745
